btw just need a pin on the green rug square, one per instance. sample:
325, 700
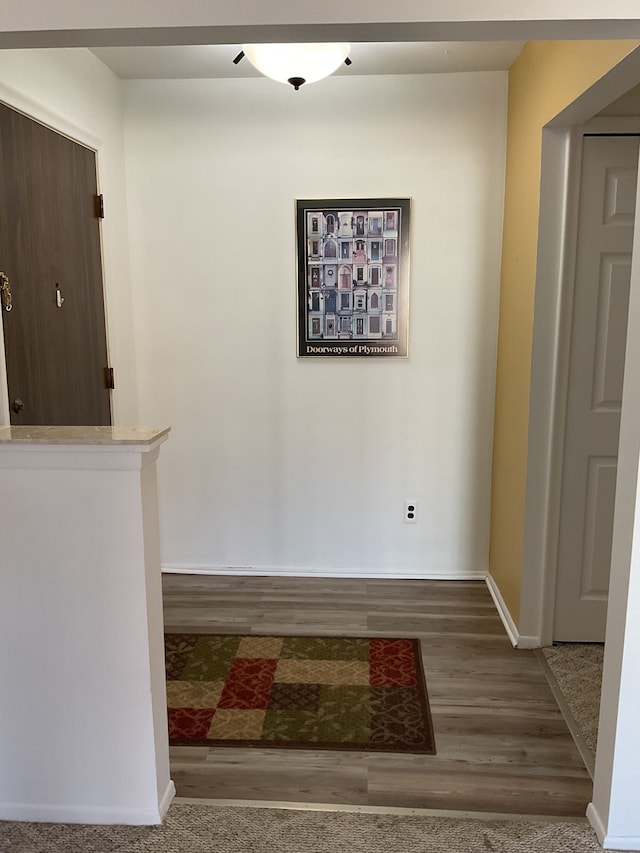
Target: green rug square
324, 648
312, 727
211, 658
344, 713
347, 729
290, 726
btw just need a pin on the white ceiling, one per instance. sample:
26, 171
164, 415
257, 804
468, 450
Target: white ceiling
193, 61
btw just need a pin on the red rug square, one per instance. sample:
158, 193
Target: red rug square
248, 685
191, 723
392, 663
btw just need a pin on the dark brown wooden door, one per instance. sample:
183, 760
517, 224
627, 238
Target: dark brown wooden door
55, 340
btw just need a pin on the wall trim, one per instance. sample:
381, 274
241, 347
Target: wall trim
38, 111
610, 842
519, 641
48, 813
317, 572
527, 642
104, 815
503, 611
598, 826
549, 372
621, 842
166, 799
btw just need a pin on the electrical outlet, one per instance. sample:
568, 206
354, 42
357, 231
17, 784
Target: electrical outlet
410, 512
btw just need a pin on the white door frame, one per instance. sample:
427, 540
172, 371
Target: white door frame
557, 246
623, 134
559, 195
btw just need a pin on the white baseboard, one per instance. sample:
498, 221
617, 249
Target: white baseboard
610, 842
517, 640
594, 819
621, 842
525, 642
67, 813
290, 571
47, 813
166, 800
503, 611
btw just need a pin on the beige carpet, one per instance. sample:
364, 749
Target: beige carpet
212, 829
577, 668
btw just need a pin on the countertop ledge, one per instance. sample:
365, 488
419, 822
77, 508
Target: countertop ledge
82, 435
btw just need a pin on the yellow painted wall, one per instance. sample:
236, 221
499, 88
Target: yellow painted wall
545, 78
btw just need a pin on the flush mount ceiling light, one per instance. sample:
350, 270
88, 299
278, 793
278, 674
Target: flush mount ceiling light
296, 63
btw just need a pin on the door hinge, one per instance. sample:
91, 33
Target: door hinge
99, 206
109, 381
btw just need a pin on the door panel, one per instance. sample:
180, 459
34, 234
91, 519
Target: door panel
611, 332
596, 368
599, 501
50, 239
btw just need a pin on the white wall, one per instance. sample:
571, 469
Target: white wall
303, 465
73, 92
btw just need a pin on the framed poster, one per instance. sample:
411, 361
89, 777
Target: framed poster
353, 277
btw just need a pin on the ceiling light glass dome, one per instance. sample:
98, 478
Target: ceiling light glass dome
296, 63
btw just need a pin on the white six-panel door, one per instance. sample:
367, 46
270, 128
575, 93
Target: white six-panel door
598, 342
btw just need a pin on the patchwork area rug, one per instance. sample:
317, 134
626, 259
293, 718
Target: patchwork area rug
305, 692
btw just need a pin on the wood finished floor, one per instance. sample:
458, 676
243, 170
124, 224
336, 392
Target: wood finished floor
502, 744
